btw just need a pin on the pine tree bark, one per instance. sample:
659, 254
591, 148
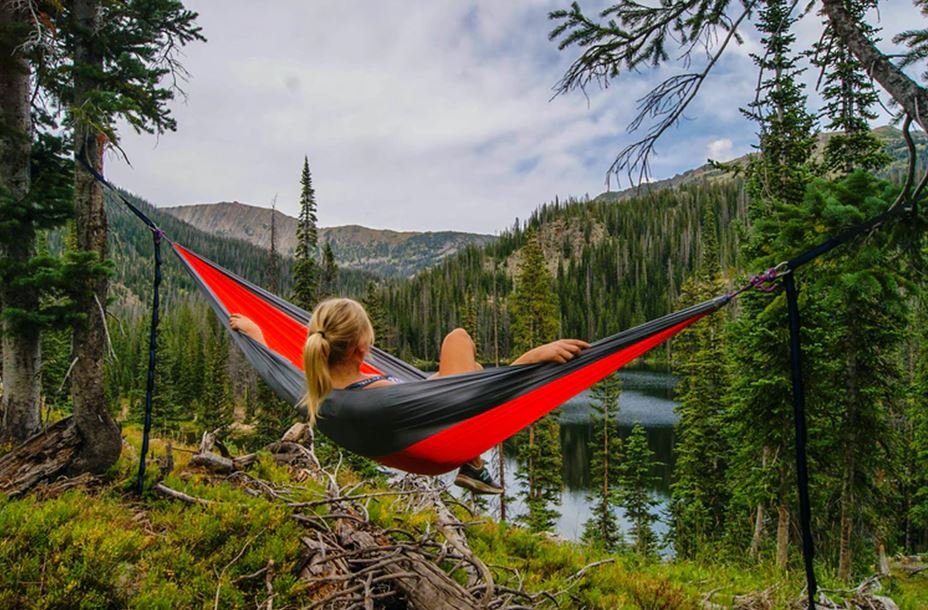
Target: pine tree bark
758, 534
846, 526
911, 97
847, 475
782, 536
101, 441
21, 346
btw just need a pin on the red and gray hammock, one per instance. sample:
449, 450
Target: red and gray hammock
432, 426
424, 426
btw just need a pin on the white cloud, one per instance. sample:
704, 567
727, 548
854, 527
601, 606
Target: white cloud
720, 149
433, 115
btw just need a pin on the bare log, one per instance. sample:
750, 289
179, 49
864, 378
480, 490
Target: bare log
41, 457
213, 463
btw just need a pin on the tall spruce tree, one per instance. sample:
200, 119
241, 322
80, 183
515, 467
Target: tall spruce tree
916, 505
699, 491
850, 97
858, 372
374, 305
637, 481
777, 178
602, 529
21, 344
535, 321
306, 267
216, 406
534, 305
35, 196
273, 271
111, 62
329, 284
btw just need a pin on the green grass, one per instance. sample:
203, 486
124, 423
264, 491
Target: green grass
108, 549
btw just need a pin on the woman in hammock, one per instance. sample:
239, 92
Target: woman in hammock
340, 337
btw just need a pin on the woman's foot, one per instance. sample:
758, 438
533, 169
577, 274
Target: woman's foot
477, 480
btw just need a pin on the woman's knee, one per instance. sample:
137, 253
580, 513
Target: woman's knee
457, 337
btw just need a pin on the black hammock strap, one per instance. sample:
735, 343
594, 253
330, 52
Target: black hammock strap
157, 235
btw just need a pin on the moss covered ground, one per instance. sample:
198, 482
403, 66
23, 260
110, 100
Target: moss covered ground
107, 548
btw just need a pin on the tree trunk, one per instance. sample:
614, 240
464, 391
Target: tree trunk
502, 481
911, 97
846, 500
20, 345
758, 534
782, 536
99, 433
846, 528
531, 462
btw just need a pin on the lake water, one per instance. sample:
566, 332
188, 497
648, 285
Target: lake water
647, 397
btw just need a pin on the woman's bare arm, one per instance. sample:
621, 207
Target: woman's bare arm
559, 351
247, 327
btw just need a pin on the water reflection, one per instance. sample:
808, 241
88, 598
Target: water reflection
647, 397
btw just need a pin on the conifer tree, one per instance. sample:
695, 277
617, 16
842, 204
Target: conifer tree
636, 480
699, 491
216, 401
917, 438
35, 195
306, 267
272, 415
273, 271
535, 321
541, 463
602, 529
469, 319
858, 373
329, 284
21, 346
106, 62
762, 431
534, 306
374, 305
849, 98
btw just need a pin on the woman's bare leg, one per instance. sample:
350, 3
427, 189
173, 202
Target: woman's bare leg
459, 355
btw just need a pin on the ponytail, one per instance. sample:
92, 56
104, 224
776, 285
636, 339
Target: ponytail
318, 377
337, 326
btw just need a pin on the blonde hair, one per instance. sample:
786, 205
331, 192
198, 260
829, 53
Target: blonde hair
337, 326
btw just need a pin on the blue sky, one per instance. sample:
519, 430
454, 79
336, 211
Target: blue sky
414, 115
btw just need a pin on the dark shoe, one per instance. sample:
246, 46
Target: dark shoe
478, 480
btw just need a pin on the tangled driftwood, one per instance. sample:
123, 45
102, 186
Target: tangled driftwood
351, 562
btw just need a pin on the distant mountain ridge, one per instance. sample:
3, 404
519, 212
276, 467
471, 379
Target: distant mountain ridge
381, 251
892, 140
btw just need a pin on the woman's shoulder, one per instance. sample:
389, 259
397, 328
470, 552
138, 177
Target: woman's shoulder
374, 381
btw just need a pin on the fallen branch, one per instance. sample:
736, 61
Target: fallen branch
582, 571
164, 490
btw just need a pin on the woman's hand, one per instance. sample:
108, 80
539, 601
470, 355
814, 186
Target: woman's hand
559, 351
247, 327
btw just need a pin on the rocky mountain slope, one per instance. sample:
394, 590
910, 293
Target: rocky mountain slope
890, 136
381, 251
